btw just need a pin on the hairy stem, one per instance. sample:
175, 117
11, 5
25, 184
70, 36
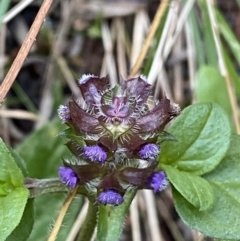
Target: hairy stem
89, 224
62, 214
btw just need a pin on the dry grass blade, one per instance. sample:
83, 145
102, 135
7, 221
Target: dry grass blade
134, 216
78, 222
62, 214
16, 10
153, 221
222, 65
18, 114
24, 50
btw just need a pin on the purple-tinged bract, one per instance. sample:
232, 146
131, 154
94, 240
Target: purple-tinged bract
158, 181
68, 176
149, 151
95, 153
110, 197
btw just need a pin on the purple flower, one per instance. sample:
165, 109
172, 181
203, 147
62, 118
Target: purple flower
158, 181
95, 153
68, 176
149, 151
64, 113
111, 197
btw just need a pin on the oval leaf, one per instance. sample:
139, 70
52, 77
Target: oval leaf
11, 210
203, 136
194, 189
222, 220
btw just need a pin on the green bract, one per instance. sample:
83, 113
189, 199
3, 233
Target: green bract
13, 195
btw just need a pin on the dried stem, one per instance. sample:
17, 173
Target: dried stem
159, 14
24, 50
222, 64
62, 213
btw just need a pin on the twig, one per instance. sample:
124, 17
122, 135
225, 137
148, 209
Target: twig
24, 50
62, 213
159, 14
222, 64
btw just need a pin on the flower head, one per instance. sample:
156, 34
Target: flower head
68, 176
158, 181
110, 197
64, 113
149, 151
95, 153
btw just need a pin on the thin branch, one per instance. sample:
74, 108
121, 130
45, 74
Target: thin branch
159, 14
24, 50
222, 64
62, 213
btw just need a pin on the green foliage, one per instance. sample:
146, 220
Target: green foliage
13, 195
222, 220
24, 228
42, 152
208, 80
194, 189
203, 136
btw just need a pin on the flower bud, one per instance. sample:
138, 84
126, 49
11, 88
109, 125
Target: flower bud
68, 176
95, 153
158, 181
64, 113
149, 151
111, 197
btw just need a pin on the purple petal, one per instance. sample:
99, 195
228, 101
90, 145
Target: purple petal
149, 151
68, 176
110, 197
95, 153
82, 121
158, 181
92, 88
64, 113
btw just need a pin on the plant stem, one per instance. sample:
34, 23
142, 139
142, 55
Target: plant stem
38, 187
62, 213
24, 50
159, 14
89, 224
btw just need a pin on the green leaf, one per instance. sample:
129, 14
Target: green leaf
11, 210
10, 174
43, 152
208, 80
194, 189
110, 221
203, 135
24, 228
223, 219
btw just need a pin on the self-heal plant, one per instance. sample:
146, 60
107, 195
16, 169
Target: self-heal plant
116, 138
